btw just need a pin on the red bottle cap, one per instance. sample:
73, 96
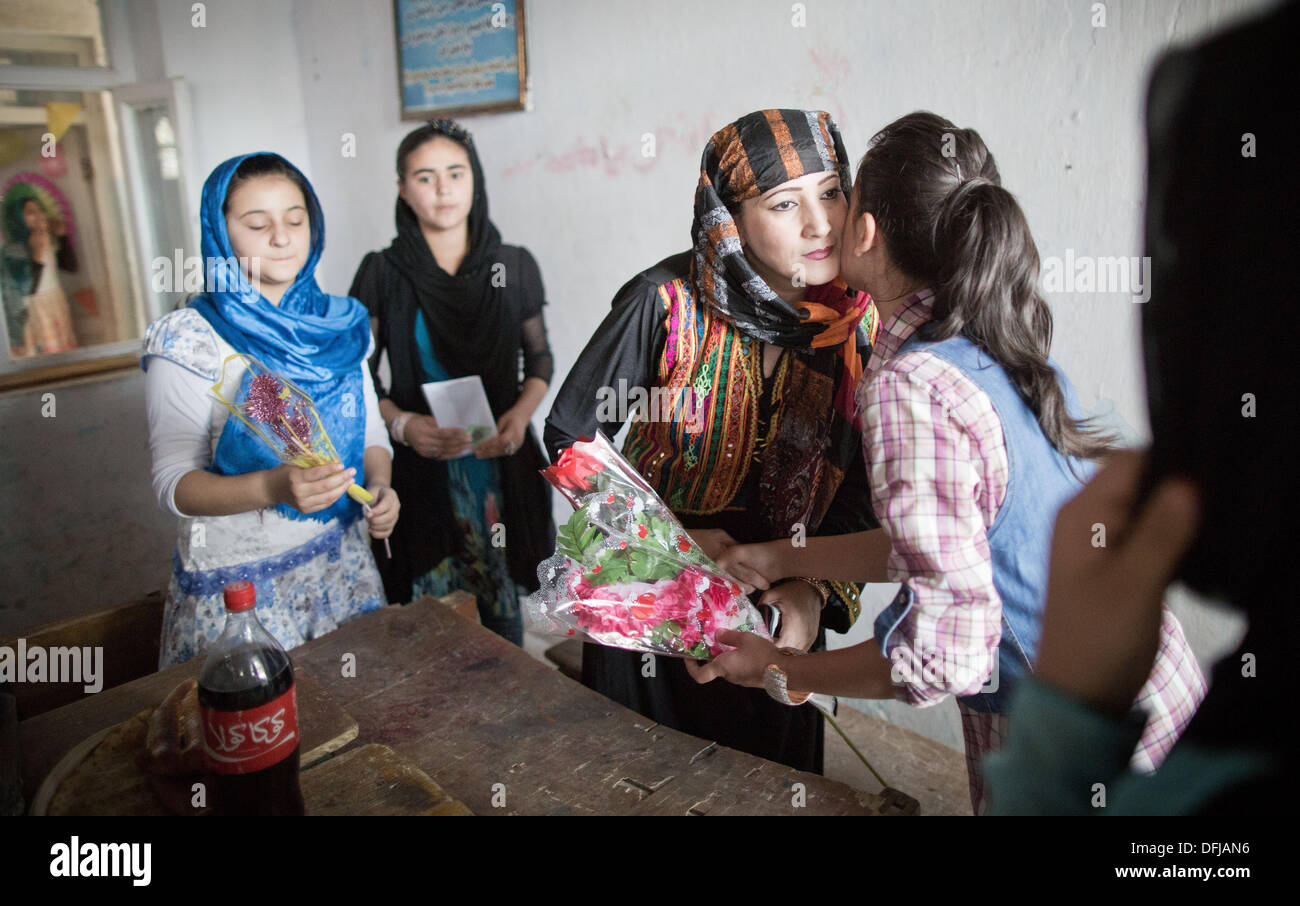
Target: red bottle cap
240, 596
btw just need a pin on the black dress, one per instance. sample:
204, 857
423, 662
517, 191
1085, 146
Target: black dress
426, 533
627, 346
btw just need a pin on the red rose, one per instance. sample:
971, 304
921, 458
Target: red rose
573, 470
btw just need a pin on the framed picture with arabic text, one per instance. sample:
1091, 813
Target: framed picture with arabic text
456, 57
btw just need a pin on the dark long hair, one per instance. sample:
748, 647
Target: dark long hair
938, 200
442, 128
262, 165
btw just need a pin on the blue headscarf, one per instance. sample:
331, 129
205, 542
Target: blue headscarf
314, 339
310, 336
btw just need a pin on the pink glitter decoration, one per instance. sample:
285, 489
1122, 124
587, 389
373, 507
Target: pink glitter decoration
300, 425
264, 402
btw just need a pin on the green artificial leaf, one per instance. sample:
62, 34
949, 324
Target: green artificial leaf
573, 538
700, 650
667, 635
613, 569
578, 539
566, 538
649, 566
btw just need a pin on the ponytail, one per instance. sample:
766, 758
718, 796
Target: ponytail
968, 238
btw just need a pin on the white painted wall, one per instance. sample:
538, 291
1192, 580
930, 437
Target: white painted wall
243, 76
1057, 100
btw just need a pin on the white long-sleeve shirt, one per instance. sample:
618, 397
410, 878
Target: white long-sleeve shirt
186, 419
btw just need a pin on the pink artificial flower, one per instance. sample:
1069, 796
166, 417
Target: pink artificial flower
579, 586
674, 600
717, 596
300, 425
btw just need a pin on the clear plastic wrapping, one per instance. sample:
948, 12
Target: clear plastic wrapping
625, 573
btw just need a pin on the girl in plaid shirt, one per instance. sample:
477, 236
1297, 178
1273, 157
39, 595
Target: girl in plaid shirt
973, 442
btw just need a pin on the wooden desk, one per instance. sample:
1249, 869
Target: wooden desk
496, 729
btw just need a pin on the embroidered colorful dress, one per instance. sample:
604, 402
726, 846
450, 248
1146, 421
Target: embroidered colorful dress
312, 573
747, 465
725, 447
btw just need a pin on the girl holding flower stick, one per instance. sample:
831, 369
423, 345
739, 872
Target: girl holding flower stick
295, 532
973, 444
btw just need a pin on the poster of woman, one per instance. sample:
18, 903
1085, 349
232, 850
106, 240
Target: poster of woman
38, 245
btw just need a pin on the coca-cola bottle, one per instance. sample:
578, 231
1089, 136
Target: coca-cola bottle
250, 716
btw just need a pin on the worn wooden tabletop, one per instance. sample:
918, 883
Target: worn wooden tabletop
501, 732
507, 735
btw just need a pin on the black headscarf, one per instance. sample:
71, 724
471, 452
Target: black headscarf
457, 307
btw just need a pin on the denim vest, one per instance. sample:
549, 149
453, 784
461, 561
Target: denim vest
1039, 481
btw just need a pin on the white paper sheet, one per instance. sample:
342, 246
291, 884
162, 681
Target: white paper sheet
462, 403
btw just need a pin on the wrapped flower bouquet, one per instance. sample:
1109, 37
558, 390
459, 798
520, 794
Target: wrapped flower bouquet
625, 573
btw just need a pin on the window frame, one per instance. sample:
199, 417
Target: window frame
128, 269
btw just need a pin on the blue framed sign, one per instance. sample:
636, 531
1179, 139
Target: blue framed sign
459, 56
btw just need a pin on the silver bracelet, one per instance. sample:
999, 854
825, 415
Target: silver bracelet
775, 680
397, 427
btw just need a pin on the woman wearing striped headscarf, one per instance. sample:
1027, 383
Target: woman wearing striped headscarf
749, 348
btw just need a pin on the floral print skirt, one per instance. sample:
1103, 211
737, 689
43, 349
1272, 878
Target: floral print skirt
302, 593
478, 565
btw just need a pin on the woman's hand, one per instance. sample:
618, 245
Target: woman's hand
801, 613
383, 512
745, 666
511, 429
1101, 624
713, 542
426, 438
309, 490
755, 565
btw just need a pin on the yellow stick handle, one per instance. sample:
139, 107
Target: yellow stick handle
361, 495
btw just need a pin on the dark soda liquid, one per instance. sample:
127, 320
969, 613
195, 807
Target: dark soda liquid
273, 790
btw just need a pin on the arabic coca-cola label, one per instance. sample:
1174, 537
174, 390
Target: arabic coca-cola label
241, 742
